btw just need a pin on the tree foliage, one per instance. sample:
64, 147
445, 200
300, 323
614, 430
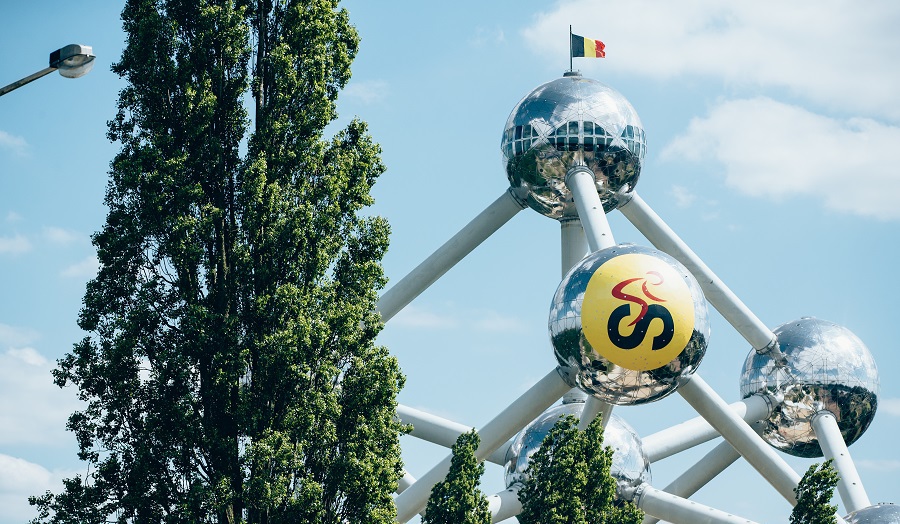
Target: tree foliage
568, 480
814, 493
229, 370
457, 499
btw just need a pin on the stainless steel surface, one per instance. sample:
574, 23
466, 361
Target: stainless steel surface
494, 434
827, 368
448, 255
655, 229
585, 367
630, 466
567, 122
878, 514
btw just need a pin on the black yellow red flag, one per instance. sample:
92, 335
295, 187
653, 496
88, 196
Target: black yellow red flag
587, 47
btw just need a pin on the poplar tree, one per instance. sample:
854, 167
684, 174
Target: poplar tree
568, 480
814, 493
457, 499
229, 371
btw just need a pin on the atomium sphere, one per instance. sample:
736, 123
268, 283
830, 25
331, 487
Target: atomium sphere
627, 323
630, 465
878, 514
572, 121
827, 368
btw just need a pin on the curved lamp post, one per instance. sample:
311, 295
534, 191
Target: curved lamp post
71, 61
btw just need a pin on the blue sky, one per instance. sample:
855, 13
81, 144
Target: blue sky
773, 133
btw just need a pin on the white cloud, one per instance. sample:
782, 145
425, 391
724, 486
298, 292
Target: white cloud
487, 36
891, 406
775, 150
60, 236
16, 144
28, 355
33, 410
493, 321
481, 320
20, 479
412, 316
878, 465
21, 476
87, 268
367, 91
12, 216
683, 196
16, 336
831, 52
14, 245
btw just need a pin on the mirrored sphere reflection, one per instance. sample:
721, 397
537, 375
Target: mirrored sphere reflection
567, 122
877, 514
630, 465
827, 368
585, 367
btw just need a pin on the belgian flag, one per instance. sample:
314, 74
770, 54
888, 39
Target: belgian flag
586, 47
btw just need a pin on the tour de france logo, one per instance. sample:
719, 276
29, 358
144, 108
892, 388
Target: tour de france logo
637, 312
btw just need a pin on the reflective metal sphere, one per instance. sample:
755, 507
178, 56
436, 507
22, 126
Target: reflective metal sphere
878, 514
627, 323
630, 465
827, 368
567, 122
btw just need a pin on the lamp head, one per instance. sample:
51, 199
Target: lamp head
73, 60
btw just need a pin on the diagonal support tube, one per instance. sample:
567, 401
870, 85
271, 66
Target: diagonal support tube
678, 438
505, 504
446, 256
717, 293
581, 183
741, 436
698, 475
594, 407
677, 510
831, 441
441, 431
493, 435
405, 481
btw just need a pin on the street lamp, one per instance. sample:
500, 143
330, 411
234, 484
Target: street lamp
72, 61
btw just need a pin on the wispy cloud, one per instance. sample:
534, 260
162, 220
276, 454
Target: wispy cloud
26, 374
28, 355
683, 196
20, 479
878, 465
482, 320
19, 475
13, 143
367, 91
891, 406
781, 150
412, 316
16, 336
87, 268
60, 236
12, 216
14, 245
487, 36
493, 321
741, 43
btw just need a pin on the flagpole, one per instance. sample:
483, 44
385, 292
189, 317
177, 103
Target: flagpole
570, 48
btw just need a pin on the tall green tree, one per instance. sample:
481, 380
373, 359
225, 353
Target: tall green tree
568, 480
814, 493
457, 499
229, 370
